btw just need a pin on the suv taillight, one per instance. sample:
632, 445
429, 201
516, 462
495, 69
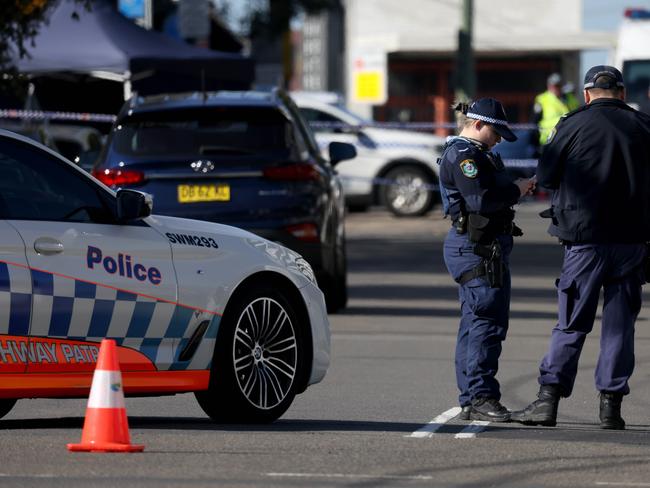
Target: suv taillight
118, 176
307, 232
292, 172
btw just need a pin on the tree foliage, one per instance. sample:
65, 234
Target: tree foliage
20, 21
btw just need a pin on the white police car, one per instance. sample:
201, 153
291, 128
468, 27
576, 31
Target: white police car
193, 306
394, 168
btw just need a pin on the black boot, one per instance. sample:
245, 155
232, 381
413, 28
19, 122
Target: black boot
542, 411
489, 409
610, 411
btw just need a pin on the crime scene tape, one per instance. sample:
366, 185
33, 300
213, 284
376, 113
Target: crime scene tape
55, 115
42, 115
418, 126
109, 118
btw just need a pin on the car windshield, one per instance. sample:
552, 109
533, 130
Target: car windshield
205, 131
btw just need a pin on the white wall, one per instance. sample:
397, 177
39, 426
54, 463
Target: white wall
433, 24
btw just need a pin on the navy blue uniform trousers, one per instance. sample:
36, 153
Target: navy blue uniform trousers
484, 319
617, 268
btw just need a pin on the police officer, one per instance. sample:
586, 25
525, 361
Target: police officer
478, 195
598, 163
549, 107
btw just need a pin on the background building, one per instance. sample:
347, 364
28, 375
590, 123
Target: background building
516, 44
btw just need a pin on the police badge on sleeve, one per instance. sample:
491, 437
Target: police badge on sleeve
468, 167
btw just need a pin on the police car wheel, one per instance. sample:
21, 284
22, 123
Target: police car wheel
408, 195
6, 405
257, 361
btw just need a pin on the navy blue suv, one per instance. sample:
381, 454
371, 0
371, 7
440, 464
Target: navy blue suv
245, 159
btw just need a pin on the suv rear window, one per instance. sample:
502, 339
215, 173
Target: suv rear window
205, 131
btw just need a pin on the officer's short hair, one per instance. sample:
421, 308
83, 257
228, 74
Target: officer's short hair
603, 80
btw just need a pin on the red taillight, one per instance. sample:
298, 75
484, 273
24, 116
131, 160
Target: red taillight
307, 232
118, 176
292, 172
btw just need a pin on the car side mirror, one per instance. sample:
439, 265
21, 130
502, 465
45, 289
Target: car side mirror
341, 151
133, 205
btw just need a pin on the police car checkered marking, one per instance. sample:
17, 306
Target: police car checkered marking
15, 284
489, 120
67, 307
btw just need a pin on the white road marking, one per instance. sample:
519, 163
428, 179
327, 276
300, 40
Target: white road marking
29, 476
619, 483
476, 427
435, 424
350, 476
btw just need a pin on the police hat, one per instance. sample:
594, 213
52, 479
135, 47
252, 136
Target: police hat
613, 77
491, 112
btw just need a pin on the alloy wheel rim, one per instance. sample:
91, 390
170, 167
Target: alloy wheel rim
408, 194
265, 353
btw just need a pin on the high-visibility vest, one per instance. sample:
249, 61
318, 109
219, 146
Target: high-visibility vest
571, 102
552, 109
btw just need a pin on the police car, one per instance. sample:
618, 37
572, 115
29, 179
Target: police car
394, 168
193, 306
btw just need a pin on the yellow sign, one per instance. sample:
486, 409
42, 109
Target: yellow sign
369, 86
369, 76
203, 193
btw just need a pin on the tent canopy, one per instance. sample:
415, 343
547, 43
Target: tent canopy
104, 44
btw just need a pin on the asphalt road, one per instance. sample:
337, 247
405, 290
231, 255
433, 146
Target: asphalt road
368, 422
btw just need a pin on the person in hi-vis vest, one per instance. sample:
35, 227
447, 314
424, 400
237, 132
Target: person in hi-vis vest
549, 107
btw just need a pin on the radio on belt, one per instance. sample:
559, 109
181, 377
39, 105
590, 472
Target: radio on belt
122, 265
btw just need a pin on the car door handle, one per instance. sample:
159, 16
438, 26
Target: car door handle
48, 245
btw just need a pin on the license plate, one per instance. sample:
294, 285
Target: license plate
203, 193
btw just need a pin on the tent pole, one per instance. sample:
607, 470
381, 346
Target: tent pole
127, 85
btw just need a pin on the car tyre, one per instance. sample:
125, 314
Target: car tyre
409, 196
258, 359
336, 286
6, 404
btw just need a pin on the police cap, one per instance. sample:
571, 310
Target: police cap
609, 76
491, 111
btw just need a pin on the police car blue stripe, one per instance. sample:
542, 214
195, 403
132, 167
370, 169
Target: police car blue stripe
125, 295
140, 319
180, 365
149, 348
213, 328
5, 282
179, 322
95, 304
42, 283
20, 308
101, 319
61, 316
83, 289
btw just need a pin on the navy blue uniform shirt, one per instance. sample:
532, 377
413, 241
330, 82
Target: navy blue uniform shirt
598, 162
475, 180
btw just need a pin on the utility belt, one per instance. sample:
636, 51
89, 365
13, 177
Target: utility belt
483, 231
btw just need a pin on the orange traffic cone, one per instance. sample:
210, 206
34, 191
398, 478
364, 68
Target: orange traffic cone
106, 428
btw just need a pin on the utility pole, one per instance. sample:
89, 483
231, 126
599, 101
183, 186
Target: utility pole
465, 81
